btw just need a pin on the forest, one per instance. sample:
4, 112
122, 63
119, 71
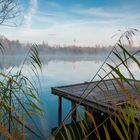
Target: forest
13, 47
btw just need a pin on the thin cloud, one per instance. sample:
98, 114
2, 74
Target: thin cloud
61, 25
32, 10
102, 12
125, 15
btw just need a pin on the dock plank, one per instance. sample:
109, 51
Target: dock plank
99, 93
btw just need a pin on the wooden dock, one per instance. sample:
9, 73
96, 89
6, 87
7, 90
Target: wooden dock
98, 95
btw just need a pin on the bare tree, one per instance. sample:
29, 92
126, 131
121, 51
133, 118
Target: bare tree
9, 11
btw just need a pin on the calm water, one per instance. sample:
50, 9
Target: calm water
56, 73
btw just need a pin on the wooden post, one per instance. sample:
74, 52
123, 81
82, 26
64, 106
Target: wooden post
132, 131
74, 114
59, 110
86, 109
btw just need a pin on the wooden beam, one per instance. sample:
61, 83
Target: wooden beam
59, 110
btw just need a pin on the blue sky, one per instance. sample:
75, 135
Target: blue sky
89, 22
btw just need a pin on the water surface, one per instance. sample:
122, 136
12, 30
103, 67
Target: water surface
58, 72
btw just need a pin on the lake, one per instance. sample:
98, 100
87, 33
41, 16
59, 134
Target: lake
56, 72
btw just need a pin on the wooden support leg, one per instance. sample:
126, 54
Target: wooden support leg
74, 114
86, 117
59, 110
132, 131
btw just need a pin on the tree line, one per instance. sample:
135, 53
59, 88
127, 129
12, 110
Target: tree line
16, 47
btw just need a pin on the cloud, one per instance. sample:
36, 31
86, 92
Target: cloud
32, 10
64, 34
100, 16
88, 25
99, 13
86, 34
128, 12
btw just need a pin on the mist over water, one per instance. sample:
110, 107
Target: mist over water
57, 71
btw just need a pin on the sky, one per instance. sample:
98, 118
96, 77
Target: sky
69, 22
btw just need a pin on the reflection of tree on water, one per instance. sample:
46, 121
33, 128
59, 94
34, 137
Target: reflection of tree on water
7, 61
